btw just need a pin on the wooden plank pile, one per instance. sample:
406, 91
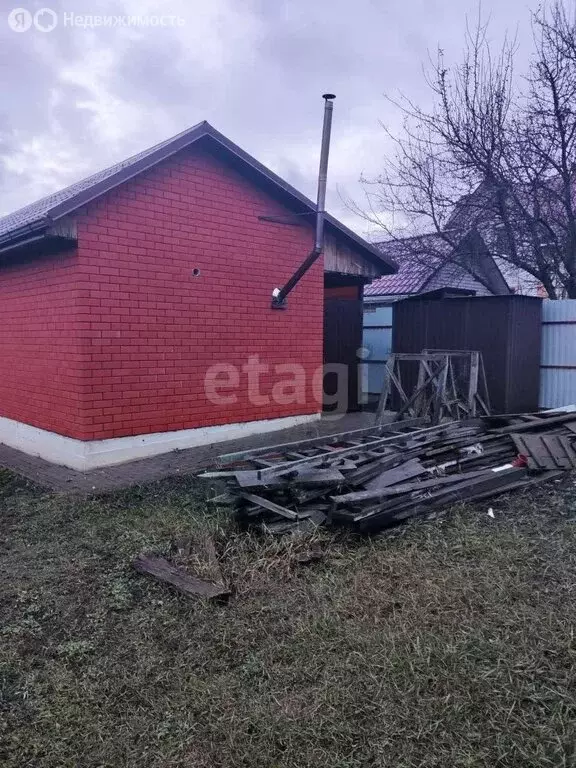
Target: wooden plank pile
374, 478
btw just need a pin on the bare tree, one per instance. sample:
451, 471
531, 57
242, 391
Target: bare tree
495, 155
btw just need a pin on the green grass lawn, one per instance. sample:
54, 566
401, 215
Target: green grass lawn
447, 643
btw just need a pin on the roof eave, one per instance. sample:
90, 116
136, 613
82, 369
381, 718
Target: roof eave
384, 298
22, 234
44, 243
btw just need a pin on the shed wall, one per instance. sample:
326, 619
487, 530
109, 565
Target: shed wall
118, 338
506, 329
44, 330
158, 331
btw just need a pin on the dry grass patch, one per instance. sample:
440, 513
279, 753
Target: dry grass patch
443, 643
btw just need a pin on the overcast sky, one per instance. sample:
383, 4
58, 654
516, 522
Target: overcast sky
77, 99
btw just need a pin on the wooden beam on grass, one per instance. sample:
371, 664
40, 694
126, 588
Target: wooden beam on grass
160, 569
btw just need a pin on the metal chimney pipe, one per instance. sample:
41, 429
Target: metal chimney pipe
323, 170
279, 295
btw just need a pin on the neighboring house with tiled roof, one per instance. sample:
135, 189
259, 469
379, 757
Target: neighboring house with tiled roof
428, 263
479, 211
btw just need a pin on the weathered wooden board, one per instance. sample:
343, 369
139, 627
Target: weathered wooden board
300, 477
162, 570
324, 440
540, 424
406, 488
407, 471
270, 505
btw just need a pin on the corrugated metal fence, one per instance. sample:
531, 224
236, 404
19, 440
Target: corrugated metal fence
377, 343
558, 366
558, 363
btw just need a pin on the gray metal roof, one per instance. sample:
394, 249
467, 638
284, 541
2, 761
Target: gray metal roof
416, 264
41, 208
41, 214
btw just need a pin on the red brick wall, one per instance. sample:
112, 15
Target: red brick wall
43, 326
116, 339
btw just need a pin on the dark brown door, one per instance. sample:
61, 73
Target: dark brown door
342, 340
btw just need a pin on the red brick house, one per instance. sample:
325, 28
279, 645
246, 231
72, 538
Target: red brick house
135, 306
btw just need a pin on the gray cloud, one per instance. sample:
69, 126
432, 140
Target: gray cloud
75, 100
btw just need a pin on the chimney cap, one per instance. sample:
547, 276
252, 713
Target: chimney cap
328, 96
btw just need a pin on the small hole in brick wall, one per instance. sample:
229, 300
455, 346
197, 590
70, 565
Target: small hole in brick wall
196, 272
